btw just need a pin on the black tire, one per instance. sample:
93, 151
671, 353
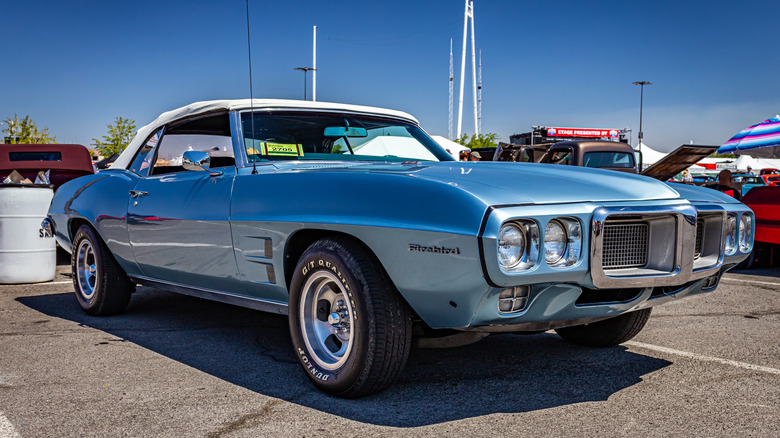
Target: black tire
101, 286
350, 329
607, 333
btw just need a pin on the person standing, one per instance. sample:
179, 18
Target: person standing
725, 185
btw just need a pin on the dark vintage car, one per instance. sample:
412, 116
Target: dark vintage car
610, 155
357, 225
64, 161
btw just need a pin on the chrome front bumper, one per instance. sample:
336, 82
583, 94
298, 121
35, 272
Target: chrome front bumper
671, 245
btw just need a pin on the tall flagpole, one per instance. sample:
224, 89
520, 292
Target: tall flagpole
314, 66
449, 130
463, 68
469, 13
474, 73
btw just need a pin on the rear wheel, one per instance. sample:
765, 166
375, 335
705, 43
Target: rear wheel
350, 329
101, 286
607, 333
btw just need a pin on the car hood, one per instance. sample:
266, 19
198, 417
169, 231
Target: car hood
514, 183
497, 183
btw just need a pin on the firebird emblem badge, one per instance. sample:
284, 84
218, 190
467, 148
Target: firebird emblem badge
433, 249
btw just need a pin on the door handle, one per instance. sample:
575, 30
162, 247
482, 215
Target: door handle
138, 193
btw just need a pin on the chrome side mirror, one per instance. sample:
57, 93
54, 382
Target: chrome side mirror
198, 160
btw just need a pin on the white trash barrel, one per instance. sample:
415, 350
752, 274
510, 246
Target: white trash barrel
27, 254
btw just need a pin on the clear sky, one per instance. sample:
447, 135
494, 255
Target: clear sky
74, 66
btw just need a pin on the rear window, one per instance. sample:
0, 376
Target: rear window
35, 156
609, 159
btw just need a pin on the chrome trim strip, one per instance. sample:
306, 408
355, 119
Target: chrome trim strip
684, 241
215, 295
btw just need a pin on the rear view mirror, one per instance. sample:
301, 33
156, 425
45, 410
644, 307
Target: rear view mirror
341, 131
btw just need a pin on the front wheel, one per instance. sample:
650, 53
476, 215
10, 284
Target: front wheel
101, 286
350, 329
609, 332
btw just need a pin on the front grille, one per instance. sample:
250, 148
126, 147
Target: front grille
699, 238
625, 245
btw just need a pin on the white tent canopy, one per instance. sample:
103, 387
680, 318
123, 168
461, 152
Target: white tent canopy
756, 164
406, 147
450, 146
650, 155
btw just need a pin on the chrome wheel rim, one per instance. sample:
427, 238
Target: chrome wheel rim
326, 317
86, 269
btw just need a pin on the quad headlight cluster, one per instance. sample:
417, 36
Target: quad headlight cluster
738, 233
520, 243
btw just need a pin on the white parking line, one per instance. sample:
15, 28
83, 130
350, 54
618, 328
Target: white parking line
6, 428
735, 280
734, 363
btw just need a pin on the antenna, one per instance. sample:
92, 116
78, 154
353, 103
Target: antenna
468, 13
479, 92
251, 97
449, 132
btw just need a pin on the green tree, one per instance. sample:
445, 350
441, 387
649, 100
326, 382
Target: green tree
25, 131
479, 140
120, 133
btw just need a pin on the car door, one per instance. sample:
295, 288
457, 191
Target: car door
178, 220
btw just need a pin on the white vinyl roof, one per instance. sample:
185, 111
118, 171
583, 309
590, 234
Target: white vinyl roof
242, 104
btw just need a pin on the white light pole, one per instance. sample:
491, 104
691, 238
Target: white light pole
469, 13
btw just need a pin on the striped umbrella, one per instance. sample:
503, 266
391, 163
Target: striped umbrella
759, 140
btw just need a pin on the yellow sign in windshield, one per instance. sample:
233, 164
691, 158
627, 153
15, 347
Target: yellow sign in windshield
289, 150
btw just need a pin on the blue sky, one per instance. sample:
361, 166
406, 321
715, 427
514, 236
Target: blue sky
74, 66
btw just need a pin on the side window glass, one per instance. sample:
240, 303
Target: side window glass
143, 159
173, 147
209, 134
562, 156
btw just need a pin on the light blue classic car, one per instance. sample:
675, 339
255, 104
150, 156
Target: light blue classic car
362, 229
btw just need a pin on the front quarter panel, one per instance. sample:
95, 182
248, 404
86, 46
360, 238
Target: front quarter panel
101, 200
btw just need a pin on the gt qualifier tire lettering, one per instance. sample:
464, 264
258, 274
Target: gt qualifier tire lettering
314, 372
337, 279
328, 265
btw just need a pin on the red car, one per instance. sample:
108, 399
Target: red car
765, 203
771, 179
65, 161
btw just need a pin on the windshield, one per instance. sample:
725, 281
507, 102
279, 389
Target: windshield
608, 159
291, 135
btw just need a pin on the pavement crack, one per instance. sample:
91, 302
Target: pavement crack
245, 421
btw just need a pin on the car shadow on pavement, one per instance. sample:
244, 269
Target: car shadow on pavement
501, 374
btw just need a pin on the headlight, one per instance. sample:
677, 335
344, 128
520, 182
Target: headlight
563, 242
555, 242
518, 245
511, 245
745, 233
730, 234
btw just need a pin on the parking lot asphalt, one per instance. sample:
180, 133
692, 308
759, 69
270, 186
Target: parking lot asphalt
178, 366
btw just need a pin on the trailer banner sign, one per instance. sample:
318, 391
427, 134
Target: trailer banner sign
582, 132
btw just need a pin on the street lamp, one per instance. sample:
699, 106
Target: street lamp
641, 99
305, 70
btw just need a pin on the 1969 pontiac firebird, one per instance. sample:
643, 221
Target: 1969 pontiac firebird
363, 230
